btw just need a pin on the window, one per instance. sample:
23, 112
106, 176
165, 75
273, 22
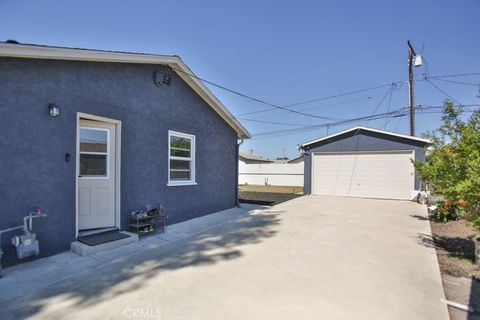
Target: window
93, 152
181, 159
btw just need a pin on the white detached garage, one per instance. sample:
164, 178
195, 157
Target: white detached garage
363, 162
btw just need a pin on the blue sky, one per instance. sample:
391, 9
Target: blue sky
281, 52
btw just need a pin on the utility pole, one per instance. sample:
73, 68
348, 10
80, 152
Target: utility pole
411, 56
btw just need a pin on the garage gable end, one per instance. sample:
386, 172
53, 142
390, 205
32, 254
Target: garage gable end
365, 139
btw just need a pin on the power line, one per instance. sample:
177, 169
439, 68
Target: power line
420, 107
254, 99
456, 75
427, 106
441, 112
442, 91
311, 128
388, 106
426, 109
271, 122
285, 108
368, 118
339, 95
459, 82
320, 106
322, 98
381, 101
396, 113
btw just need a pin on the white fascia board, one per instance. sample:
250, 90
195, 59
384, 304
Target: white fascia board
187, 75
58, 53
303, 145
45, 52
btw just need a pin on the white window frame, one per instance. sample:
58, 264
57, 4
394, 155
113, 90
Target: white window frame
107, 154
191, 137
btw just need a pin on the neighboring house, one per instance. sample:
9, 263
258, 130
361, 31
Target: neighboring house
296, 160
249, 158
363, 162
281, 160
133, 129
260, 171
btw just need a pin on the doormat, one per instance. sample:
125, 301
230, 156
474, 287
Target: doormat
103, 237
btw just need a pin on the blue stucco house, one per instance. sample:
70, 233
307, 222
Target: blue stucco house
89, 136
363, 162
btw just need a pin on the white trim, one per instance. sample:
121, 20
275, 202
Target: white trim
181, 183
192, 180
107, 176
363, 152
366, 129
118, 152
59, 53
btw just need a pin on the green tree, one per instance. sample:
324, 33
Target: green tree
452, 165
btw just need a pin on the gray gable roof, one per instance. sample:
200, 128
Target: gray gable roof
358, 129
16, 50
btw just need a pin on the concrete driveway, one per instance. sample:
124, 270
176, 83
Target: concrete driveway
309, 258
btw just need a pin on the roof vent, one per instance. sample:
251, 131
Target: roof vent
167, 78
162, 78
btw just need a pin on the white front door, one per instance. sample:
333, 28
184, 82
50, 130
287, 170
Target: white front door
96, 174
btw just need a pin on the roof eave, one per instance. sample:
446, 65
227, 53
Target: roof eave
303, 145
59, 53
187, 75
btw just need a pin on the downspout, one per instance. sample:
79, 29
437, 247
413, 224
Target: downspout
301, 149
237, 173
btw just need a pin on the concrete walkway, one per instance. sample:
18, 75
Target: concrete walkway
309, 258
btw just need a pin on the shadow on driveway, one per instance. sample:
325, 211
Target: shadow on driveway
455, 246
115, 278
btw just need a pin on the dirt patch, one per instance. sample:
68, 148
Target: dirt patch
455, 248
274, 189
460, 275
266, 198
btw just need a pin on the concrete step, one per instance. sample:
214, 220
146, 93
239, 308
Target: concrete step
83, 249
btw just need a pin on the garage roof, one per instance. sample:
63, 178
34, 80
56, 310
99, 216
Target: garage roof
366, 129
16, 50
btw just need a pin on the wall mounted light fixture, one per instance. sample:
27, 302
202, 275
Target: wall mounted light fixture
53, 110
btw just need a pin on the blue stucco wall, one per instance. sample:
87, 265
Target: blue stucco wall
33, 170
361, 140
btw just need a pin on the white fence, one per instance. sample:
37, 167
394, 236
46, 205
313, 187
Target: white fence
275, 174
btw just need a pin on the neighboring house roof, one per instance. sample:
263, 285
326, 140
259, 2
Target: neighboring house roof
16, 50
296, 160
252, 157
426, 141
280, 161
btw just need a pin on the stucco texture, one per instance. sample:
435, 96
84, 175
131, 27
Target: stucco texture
33, 145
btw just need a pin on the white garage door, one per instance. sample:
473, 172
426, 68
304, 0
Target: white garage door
388, 175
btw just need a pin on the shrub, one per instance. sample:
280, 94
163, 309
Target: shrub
452, 166
446, 211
